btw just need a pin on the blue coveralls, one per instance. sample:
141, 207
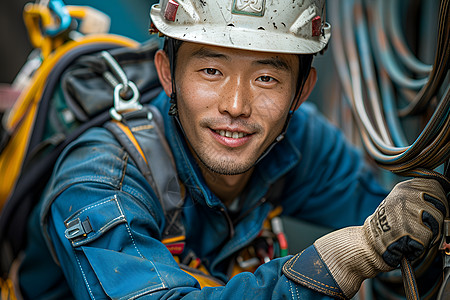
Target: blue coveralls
326, 182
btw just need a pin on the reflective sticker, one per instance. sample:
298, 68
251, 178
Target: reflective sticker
316, 26
249, 7
171, 10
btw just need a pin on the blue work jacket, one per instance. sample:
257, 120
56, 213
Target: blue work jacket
326, 181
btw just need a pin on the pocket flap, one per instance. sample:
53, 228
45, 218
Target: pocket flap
90, 222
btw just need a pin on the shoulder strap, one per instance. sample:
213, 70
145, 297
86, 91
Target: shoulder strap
140, 132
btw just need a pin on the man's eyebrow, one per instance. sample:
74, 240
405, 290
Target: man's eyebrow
207, 53
275, 62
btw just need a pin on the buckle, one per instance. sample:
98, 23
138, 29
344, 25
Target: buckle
77, 229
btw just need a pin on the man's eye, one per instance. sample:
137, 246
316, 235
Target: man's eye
266, 79
211, 71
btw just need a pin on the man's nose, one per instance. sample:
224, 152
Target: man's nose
237, 99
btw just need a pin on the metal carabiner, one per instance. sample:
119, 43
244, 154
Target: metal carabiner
40, 21
122, 87
117, 71
59, 9
122, 105
35, 17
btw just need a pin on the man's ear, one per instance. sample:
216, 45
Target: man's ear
162, 65
307, 87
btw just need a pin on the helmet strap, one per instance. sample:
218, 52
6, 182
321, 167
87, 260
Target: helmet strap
173, 110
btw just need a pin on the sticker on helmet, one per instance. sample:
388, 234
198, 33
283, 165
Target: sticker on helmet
249, 7
316, 26
171, 10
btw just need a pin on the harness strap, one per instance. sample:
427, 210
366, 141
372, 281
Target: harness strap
140, 133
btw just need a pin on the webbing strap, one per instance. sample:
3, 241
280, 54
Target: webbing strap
140, 133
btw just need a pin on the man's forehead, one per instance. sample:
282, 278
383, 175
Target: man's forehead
279, 61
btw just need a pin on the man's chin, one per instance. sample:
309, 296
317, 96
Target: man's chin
227, 168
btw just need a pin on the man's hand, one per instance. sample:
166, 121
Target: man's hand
407, 223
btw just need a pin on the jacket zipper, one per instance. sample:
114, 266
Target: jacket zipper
229, 222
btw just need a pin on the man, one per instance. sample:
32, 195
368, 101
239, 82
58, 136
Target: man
233, 73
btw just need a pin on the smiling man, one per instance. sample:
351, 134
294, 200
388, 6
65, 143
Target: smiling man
232, 105
235, 75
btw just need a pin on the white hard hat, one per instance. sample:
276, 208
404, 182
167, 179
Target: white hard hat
282, 26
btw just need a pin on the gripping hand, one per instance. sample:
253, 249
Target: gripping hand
406, 223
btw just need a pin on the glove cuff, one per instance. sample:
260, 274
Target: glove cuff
308, 269
350, 258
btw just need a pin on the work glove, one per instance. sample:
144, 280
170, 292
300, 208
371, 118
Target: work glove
407, 223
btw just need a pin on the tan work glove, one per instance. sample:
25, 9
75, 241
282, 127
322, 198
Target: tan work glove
406, 224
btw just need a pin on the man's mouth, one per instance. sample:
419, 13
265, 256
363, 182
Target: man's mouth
231, 134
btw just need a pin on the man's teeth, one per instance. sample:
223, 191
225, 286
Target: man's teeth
229, 134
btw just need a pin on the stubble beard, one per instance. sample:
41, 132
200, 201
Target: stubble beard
218, 161
212, 161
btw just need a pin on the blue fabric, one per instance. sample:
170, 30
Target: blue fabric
308, 269
326, 182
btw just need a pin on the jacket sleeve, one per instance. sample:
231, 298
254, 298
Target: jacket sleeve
104, 225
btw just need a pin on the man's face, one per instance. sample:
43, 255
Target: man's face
232, 103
